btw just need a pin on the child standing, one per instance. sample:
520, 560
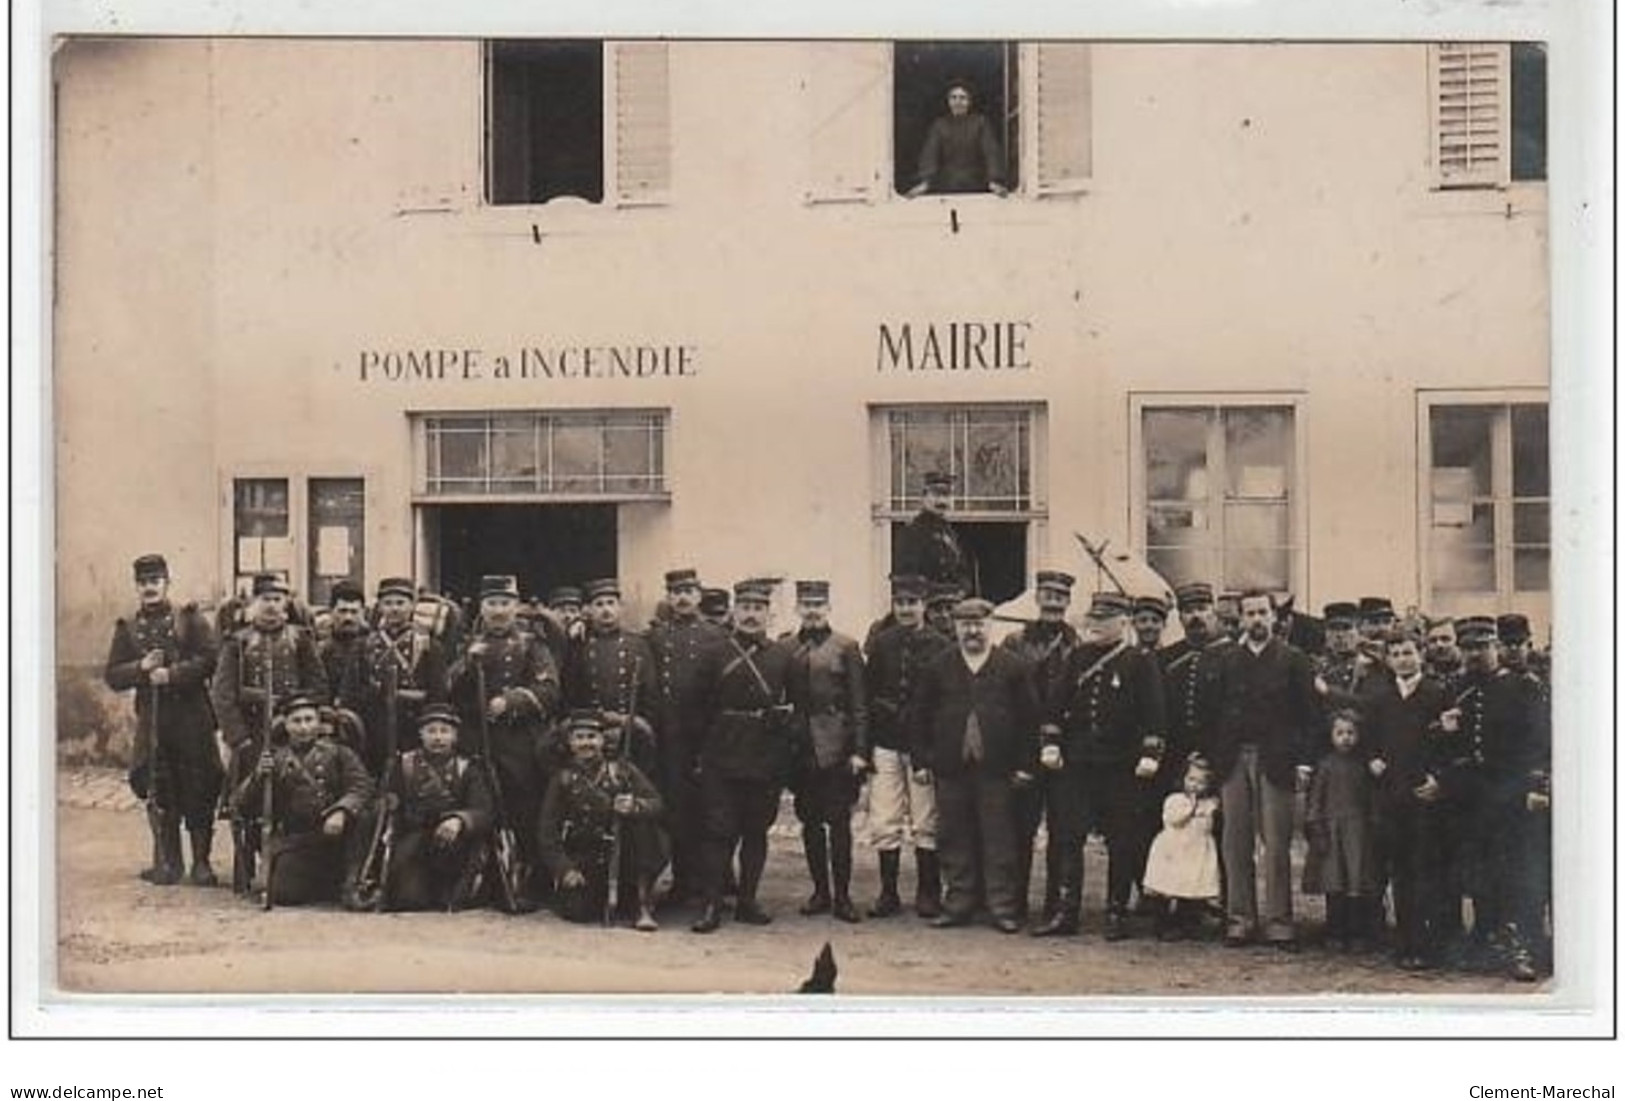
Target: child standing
1182, 869
1340, 824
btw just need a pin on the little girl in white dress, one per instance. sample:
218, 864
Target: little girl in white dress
1182, 870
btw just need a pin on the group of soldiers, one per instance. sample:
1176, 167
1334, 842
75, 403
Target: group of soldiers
549, 755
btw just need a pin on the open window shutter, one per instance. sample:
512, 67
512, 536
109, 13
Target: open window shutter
642, 123
1471, 113
1064, 151
435, 87
845, 112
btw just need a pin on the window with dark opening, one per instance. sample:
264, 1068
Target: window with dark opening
1528, 110
952, 156
545, 120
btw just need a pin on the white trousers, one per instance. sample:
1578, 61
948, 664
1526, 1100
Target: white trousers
899, 805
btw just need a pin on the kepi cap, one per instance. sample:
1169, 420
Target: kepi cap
270, 583
499, 584
682, 578
397, 586
812, 590
1340, 613
1105, 605
439, 713
150, 565
603, 586
1054, 580
1194, 594
1512, 628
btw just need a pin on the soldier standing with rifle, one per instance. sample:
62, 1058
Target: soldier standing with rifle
745, 753
507, 686
166, 656
832, 724
678, 643
267, 661
612, 671
404, 651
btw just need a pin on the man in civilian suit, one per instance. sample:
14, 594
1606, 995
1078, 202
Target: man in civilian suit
1262, 745
975, 738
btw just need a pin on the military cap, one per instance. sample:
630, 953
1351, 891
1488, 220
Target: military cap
346, 590
439, 713
1057, 580
1512, 628
270, 583
499, 584
755, 589
1151, 604
1376, 607
397, 586
1475, 630
812, 590
938, 480
1340, 613
713, 601
683, 578
974, 608
907, 585
1194, 594
1105, 605
584, 718
944, 592
603, 586
564, 594
299, 702
150, 565
1434, 622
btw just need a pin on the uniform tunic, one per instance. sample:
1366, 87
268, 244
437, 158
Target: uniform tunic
826, 688
929, 547
1046, 647
420, 678
615, 671
577, 831
259, 666
174, 757
678, 645
898, 804
423, 872
309, 783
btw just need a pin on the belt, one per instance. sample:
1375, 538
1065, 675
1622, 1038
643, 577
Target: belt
757, 713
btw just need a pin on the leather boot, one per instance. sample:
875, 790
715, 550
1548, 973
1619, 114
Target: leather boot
169, 868
840, 866
888, 903
710, 917
1064, 921
817, 852
928, 888
202, 874
1520, 961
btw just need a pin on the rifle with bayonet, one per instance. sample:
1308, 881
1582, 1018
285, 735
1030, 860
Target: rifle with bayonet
504, 843
268, 784
372, 884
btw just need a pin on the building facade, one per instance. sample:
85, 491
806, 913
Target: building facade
1267, 314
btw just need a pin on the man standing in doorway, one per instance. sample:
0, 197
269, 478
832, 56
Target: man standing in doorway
1265, 712
929, 546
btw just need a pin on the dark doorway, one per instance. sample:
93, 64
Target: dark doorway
997, 552
542, 545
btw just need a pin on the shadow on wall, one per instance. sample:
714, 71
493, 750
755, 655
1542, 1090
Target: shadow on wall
94, 725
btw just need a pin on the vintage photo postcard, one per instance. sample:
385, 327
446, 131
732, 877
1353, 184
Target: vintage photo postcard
1027, 519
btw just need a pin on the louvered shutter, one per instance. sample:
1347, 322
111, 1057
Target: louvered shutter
642, 123
1064, 153
1471, 113
435, 87
843, 88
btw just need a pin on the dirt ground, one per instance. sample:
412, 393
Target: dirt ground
118, 935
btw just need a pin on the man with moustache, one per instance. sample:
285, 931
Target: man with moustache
612, 671
165, 655
975, 738
402, 652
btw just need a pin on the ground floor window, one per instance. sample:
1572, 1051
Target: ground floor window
991, 452
1487, 500
310, 532
614, 454
1218, 494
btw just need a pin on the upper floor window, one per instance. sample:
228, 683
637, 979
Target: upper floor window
956, 125
1489, 113
577, 118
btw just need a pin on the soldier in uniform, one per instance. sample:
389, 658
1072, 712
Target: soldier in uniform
520, 682
941, 599
443, 811
268, 661
341, 654
565, 603
744, 755
1344, 666
1186, 666
898, 802
1506, 796
587, 803
320, 794
166, 655
928, 545
1376, 618
1150, 618
975, 724
1045, 645
402, 654
1441, 658
678, 642
714, 609
826, 688
612, 671
1103, 736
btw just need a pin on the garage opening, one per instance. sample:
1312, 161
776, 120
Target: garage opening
544, 546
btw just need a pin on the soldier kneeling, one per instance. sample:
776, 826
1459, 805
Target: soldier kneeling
442, 815
597, 812
320, 792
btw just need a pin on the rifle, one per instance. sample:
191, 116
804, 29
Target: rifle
504, 844
268, 792
372, 883
612, 892
1098, 556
